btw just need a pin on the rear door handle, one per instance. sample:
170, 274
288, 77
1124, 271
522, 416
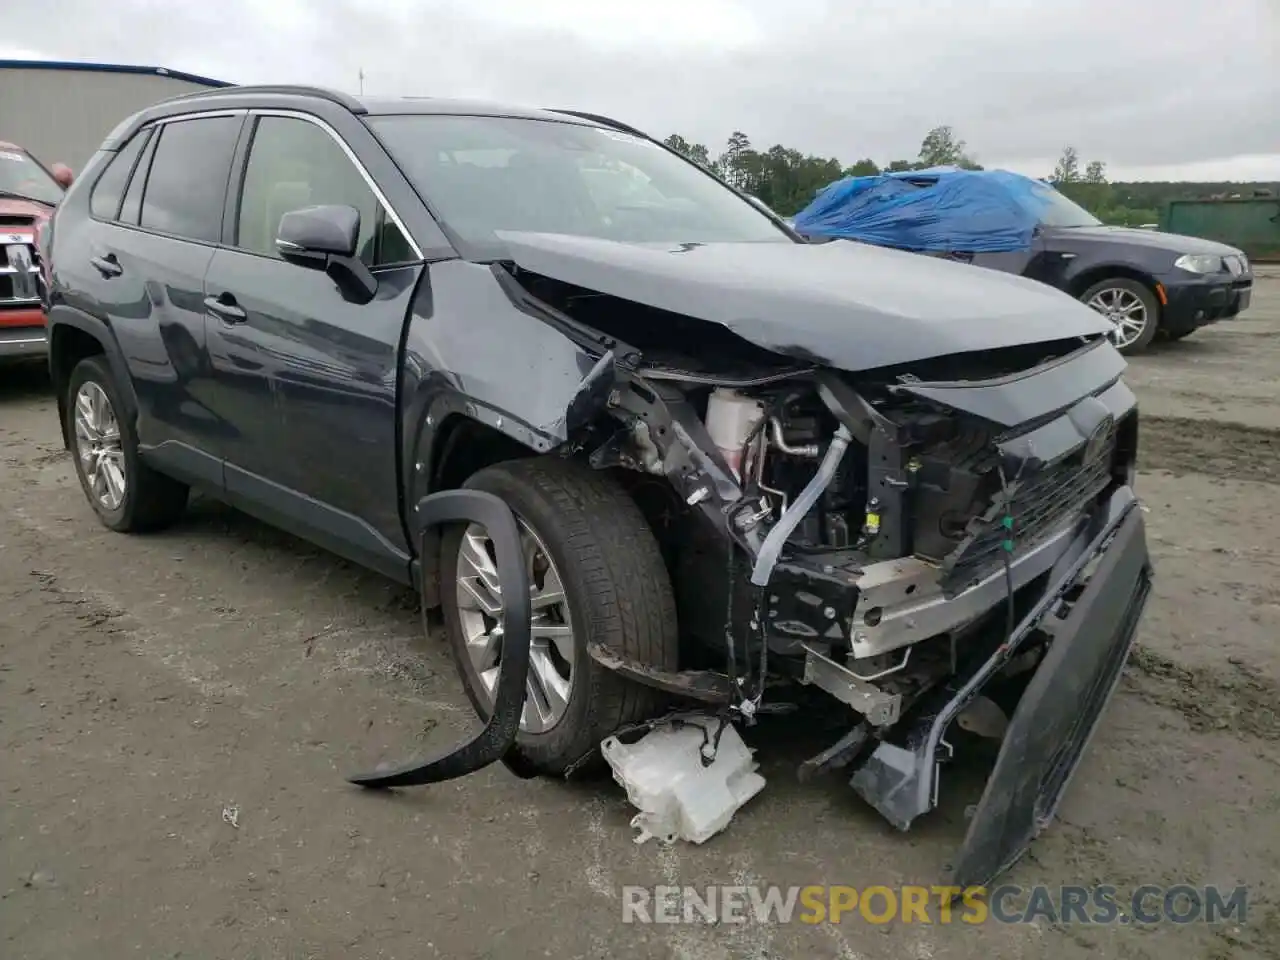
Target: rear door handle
224, 307
107, 265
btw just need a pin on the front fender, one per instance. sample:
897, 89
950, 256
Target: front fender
470, 352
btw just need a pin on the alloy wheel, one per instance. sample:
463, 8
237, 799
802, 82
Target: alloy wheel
97, 432
1125, 310
480, 607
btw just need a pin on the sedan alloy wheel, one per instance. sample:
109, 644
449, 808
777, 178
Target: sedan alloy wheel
1125, 310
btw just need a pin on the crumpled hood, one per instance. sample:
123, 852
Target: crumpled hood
851, 306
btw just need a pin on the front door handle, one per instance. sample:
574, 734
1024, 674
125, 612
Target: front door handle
107, 265
224, 307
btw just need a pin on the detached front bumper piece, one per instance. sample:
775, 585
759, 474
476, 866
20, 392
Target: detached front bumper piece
496, 740
1089, 613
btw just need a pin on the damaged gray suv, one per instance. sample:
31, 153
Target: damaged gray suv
649, 451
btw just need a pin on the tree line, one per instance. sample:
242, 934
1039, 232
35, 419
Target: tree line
787, 179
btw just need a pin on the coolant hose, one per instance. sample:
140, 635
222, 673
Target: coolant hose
782, 530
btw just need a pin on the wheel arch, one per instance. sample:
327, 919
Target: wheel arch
1107, 271
452, 444
73, 336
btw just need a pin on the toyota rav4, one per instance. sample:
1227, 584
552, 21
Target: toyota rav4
643, 445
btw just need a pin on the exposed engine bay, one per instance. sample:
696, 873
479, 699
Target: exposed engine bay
857, 530
849, 498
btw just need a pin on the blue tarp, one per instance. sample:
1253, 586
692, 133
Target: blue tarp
940, 209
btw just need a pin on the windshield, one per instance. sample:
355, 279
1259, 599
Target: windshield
20, 175
1058, 211
488, 174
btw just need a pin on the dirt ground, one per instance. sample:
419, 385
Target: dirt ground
176, 714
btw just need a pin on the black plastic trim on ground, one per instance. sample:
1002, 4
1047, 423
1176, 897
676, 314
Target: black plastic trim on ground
1060, 709
496, 740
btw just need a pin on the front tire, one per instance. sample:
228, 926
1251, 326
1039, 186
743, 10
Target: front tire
597, 576
126, 494
1131, 306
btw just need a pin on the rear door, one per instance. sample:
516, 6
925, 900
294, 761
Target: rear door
158, 217
282, 336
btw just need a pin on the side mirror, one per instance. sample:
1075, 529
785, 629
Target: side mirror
317, 232
63, 174
324, 238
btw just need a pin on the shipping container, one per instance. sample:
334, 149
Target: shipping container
1250, 223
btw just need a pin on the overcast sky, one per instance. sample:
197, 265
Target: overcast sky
1159, 89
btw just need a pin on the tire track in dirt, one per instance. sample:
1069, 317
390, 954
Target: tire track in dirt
1238, 699
1234, 451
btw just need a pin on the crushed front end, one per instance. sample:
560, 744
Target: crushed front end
952, 543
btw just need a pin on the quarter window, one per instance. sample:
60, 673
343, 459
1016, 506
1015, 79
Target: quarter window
104, 202
131, 209
187, 184
294, 163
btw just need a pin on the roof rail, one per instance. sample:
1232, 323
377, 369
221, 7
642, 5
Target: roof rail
604, 121
333, 96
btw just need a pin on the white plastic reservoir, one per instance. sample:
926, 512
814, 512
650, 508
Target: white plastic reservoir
676, 795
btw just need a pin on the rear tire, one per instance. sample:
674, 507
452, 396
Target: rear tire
1109, 297
126, 494
616, 590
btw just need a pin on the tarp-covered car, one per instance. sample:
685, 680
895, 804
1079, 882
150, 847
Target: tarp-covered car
1146, 283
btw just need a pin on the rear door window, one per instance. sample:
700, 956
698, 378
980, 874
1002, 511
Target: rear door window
187, 183
104, 202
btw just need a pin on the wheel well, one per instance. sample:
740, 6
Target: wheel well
1087, 279
67, 347
461, 447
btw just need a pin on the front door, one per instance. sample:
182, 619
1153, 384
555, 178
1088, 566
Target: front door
282, 338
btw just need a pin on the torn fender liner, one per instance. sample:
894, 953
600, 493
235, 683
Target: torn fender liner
1059, 710
496, 740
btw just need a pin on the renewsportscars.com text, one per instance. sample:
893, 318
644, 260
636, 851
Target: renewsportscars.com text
1148, 904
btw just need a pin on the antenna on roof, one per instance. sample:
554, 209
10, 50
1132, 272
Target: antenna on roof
361, 75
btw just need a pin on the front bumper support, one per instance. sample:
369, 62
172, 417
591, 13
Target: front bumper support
1090, 638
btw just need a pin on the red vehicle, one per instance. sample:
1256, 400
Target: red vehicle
28, 194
